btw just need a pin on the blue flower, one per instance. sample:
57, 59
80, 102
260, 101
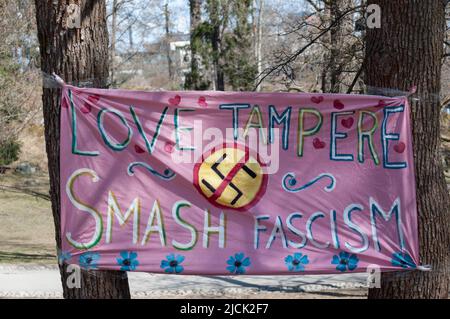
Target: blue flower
128, 261
403, 260
296, 262
63, 257
172, 264
238, 263
345, 261
89, 260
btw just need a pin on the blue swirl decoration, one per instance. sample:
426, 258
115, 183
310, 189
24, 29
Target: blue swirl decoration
167, 175
289, 182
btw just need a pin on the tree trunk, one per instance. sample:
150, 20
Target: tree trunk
194, 82
216, 43
259, 28
78, 55
240, 68
334, 57
168, 40
407, 50
113, 41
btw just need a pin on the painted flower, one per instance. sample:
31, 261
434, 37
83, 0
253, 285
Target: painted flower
237, 263
296, 262
172, 264
63, 257
403, 260
129, 261
345, 261
89, 260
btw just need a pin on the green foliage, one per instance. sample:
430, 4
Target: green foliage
224, 42
9, 151
240, 67
201, 46
195, 81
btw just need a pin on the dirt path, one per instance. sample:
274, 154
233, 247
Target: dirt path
37, 281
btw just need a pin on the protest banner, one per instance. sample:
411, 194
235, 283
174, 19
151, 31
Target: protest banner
236, 183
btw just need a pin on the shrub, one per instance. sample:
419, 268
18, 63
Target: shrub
9, 151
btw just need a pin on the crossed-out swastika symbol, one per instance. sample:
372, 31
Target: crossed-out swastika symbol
229, 182
230, 177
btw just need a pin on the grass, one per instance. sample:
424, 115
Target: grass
27, 233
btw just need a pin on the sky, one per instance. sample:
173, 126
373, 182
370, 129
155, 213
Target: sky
150, 16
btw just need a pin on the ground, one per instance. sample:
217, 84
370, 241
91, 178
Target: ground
39, 281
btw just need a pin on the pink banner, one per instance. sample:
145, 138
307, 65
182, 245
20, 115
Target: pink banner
236, 183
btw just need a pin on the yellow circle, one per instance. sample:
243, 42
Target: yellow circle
226, 178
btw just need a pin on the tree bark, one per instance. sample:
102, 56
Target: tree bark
407, 51
77, 55
334, 57
168, 40
195, 82
216, 43
113, 41
259, 32
240, 68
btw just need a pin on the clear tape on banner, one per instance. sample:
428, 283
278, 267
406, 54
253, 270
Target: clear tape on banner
51, 81
424, 267
412, 94
54, 81
372, 90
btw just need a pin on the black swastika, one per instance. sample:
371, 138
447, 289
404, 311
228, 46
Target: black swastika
215, 168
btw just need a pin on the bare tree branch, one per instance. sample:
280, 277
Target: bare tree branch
284, 63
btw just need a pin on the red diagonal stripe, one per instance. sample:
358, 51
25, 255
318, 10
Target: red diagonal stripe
229, 177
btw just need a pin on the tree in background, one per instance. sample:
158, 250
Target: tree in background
240, 67
18, 52
316, 48
77, 55
113, 29
196, 79
214, 29
132, 24
224, 44
167, 40
257, 26
337, 54
408, 50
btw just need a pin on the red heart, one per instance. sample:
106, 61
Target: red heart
338, 104
64, 104
202, 101
348, 122
175, 100
400, 147
139, 149
317, 99
381, 103
168, 147
318, 144
93, 98
86, 108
